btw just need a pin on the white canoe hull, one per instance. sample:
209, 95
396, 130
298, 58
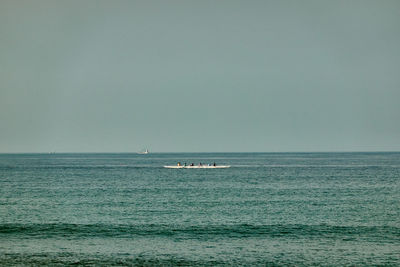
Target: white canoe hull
197, 167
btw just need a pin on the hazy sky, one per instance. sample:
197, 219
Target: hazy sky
120, 76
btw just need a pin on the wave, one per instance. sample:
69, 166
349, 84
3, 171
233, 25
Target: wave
298, 231
85, 259
79, 167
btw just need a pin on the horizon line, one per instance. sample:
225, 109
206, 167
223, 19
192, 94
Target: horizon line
207, 152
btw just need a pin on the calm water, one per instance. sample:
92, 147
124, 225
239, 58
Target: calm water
267, 209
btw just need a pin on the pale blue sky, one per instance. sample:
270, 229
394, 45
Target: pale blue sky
119, 76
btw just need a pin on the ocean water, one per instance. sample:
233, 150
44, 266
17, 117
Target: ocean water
267, 209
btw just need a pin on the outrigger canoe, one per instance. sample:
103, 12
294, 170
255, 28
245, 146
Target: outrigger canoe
197, 167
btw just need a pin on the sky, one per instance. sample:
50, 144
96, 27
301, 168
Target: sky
199, 76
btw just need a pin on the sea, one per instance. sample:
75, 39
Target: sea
267, 209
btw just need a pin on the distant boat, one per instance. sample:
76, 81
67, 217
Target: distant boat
197, 167
144, 152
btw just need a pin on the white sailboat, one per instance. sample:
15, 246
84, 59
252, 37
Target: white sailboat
144, 152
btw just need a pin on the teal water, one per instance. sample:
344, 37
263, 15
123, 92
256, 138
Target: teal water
267, 209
